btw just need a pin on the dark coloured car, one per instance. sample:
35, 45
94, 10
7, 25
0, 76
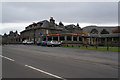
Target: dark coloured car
42, 43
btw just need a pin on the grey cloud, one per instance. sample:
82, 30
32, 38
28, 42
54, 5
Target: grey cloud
82, 12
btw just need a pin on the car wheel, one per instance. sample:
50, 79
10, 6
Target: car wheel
52, 45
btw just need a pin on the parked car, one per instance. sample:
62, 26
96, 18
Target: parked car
54, 43
38, 43
42, 43
27, 42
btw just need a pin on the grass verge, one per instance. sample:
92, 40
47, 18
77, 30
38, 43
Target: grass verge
104, 48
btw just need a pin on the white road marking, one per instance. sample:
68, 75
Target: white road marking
45, 72
1, 56
7, 58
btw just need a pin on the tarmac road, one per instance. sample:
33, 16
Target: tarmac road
30, 61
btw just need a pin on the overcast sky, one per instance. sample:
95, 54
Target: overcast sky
17, 15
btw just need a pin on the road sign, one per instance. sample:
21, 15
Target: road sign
40, 33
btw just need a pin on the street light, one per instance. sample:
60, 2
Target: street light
34, 24
107, 44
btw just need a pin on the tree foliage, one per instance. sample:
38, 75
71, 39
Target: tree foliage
61, 24
77, 24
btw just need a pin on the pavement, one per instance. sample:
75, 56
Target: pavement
31, 61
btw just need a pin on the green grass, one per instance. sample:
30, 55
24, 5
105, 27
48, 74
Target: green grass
98, 48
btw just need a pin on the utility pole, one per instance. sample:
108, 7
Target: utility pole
107, 44
34, 24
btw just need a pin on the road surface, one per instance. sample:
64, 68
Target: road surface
30, 61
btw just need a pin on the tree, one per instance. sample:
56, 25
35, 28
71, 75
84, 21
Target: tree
5, 34
104, 31
94, 31
77, 24
16, 32
61, 24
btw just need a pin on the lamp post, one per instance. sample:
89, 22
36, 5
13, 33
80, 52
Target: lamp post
107, 44
34, 25
96, 42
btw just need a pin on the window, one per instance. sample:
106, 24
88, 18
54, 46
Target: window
55, 38
80, 38
62, 38
74, 38
49, 38
68, 38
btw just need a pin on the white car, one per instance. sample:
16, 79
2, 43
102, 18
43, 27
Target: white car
54, 43
27, 42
